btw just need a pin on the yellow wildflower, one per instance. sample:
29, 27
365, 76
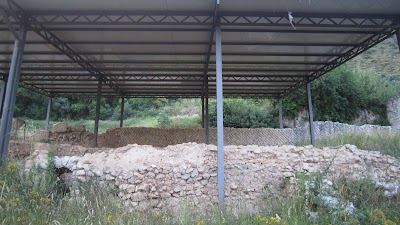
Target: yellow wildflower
378, 216
46, 200
389, 222
354, 222
260, 218
110, 217
201, 222
14, 201
12, 168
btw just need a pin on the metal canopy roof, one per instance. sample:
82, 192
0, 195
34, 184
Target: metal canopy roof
147, 48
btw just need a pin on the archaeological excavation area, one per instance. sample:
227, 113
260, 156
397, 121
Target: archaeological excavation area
190, 49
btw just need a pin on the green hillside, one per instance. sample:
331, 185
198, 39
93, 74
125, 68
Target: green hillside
384, 58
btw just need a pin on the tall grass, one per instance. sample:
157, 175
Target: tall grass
385, 143
36, 197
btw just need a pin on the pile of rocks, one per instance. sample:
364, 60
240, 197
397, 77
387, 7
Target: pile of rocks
159, 178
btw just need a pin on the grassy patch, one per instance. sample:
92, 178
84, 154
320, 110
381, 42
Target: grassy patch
186, 122
385, 143
34, 197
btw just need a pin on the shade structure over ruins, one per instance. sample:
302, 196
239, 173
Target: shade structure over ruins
147, 48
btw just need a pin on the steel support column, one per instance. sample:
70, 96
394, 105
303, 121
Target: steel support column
220, 118
11, 92
121, 123
48, 114
2, 90
310, 114
207, 122
97, 117
280, 114
398, 37
202, 110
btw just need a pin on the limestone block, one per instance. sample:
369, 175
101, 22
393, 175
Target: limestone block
60, 128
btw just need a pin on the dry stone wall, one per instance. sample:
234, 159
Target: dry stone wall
393, 110
161, 179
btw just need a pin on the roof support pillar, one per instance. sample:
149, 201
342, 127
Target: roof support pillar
310, 113
2, 90
207, 122
48, 114
398, 37
220, 118
97, 117
202, 109
280, 114
121, 122
11, 92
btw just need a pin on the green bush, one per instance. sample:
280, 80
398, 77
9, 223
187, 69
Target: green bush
240, 113
164, 120
343, 94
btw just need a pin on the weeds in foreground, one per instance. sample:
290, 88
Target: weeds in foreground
36, 197
388, 144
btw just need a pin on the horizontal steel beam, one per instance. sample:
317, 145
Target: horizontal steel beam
226, 79
171, 95
159, 76
172, 62
311, 54
249, 18
156, 70
233, 43
134, 85
235, 30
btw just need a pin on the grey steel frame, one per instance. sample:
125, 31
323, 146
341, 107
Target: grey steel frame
11, 92
280, 114
48, 114
310, 113
121, 123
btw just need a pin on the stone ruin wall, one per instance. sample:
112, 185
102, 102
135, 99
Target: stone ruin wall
393, 110
162, 179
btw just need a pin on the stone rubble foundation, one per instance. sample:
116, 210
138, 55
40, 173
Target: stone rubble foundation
159, 178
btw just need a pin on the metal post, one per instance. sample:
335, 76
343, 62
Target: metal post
207, 124
220, 118
2, 87
202, 109
310, 114
11, 92
398, 37
96, 120
121, 123
280, 114
48, 114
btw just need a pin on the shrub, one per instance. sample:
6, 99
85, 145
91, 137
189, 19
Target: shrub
240, 113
